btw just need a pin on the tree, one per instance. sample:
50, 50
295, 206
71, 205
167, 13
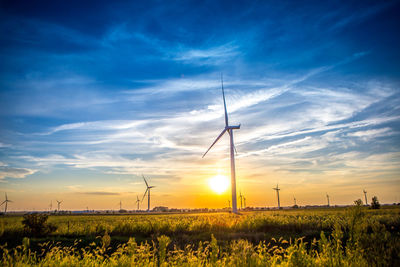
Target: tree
375, 203
36, 225
358, 202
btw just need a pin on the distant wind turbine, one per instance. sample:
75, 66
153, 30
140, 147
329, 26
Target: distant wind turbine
228, 129
327, 197
137, 202
51, 205
365, 195
229, 203
294, 201
58, 204
241, 200
120, 205
6, 203
277, 194
148, 193
244, 201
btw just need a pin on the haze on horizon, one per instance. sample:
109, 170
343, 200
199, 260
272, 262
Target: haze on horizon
94, 94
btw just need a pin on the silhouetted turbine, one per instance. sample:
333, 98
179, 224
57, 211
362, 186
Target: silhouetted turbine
228, 129
6, 203
148, 193
365, 195
277, 194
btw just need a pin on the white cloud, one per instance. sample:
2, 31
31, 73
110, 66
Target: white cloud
209, 56
10, 172
2, 145
370, 134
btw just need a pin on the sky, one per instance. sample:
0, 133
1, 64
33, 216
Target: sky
95, 94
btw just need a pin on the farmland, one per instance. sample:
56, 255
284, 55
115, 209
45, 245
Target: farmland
355, 236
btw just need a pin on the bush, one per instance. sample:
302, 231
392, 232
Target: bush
375, 203
36, 225
358, 202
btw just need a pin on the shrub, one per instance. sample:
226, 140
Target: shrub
375, 203
36, 225
358, 202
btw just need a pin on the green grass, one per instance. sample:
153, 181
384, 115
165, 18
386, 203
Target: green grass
316, 237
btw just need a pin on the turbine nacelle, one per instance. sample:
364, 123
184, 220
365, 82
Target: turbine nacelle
237, 127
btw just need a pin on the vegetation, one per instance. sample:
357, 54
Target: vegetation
36, 225
375, 203
358, 202
355, 236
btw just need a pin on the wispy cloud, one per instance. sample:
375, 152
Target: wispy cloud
11, 172
372, 134
208, 56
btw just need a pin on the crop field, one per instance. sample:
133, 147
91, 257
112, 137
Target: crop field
354, 236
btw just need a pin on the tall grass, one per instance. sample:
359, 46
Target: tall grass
345, 237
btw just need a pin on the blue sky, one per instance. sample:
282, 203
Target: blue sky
94, 94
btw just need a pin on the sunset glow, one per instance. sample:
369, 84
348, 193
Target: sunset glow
96, 96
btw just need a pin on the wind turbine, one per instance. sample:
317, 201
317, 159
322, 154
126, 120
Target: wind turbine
58, 205
229, 203
327, 197
241, 200
137, 202
244, 200
294, 201
51, 205
365, 195
120, 205
277, 193
148, 193
6, 202
228, 129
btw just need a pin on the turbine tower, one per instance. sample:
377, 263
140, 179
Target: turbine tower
241, 200
137, 202
244, 201
365, 195
58, 205
6, 203
294, 201
51, 205
228, 129
327, 197
120, 205
229, 203
277, 193
148, 193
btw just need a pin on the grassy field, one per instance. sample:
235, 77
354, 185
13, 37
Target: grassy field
354, 236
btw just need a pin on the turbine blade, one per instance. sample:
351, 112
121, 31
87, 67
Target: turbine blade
223, 96
147, 189
220, 135
145, 181
3, 202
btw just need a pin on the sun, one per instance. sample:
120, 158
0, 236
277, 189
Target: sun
219, 183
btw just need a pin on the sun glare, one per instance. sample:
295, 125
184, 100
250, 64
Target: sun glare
219, 183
